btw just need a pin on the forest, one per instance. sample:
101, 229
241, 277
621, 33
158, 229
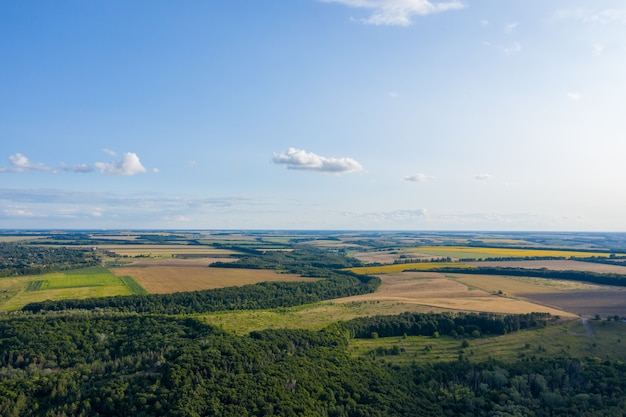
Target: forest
88, 364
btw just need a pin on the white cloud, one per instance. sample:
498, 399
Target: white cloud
303, 160
513, 48
397, 12
130, 165
510, 28
574, 96
109, 152
482, 177
393, 94
20, 163
484, 22
602, 17
417, 178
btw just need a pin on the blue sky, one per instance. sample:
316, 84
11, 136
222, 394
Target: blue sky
313, 114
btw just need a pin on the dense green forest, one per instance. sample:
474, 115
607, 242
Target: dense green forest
88, 364
19, 259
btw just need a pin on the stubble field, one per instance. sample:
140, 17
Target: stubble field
163, 279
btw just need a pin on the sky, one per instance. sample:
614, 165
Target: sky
313, 115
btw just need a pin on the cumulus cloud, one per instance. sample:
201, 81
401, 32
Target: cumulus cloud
20, 163
303, 160
417, 178
129, 165
397, 12
482, 177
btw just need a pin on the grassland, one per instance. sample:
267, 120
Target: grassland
470, 252
16, 292
568, 337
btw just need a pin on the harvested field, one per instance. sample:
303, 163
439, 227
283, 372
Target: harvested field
170, 279
520, 286
440, 291
557, 265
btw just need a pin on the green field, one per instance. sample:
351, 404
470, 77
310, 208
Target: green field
566, 337
15, 292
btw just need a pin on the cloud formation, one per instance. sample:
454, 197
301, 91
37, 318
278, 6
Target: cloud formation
482, 177
20, 163
417, 178
574, 96
130, 165
303, 160
397, 12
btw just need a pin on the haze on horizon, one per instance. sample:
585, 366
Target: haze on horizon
314, 114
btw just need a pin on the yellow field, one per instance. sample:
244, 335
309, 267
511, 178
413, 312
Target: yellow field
462, 252
396, 268
170, 279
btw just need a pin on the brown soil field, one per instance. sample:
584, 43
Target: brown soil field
440, 291
586, 303
170, 279
559, 265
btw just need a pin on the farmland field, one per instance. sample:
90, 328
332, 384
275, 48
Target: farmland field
169, 279
438, 290
557, 265
470, 252
83, 283
586, 303
163, 251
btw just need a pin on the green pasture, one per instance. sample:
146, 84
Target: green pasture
566, 337
16, 292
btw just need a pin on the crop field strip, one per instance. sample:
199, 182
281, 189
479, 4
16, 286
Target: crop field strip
169, 279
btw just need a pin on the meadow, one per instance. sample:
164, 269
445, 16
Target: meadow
566, 337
